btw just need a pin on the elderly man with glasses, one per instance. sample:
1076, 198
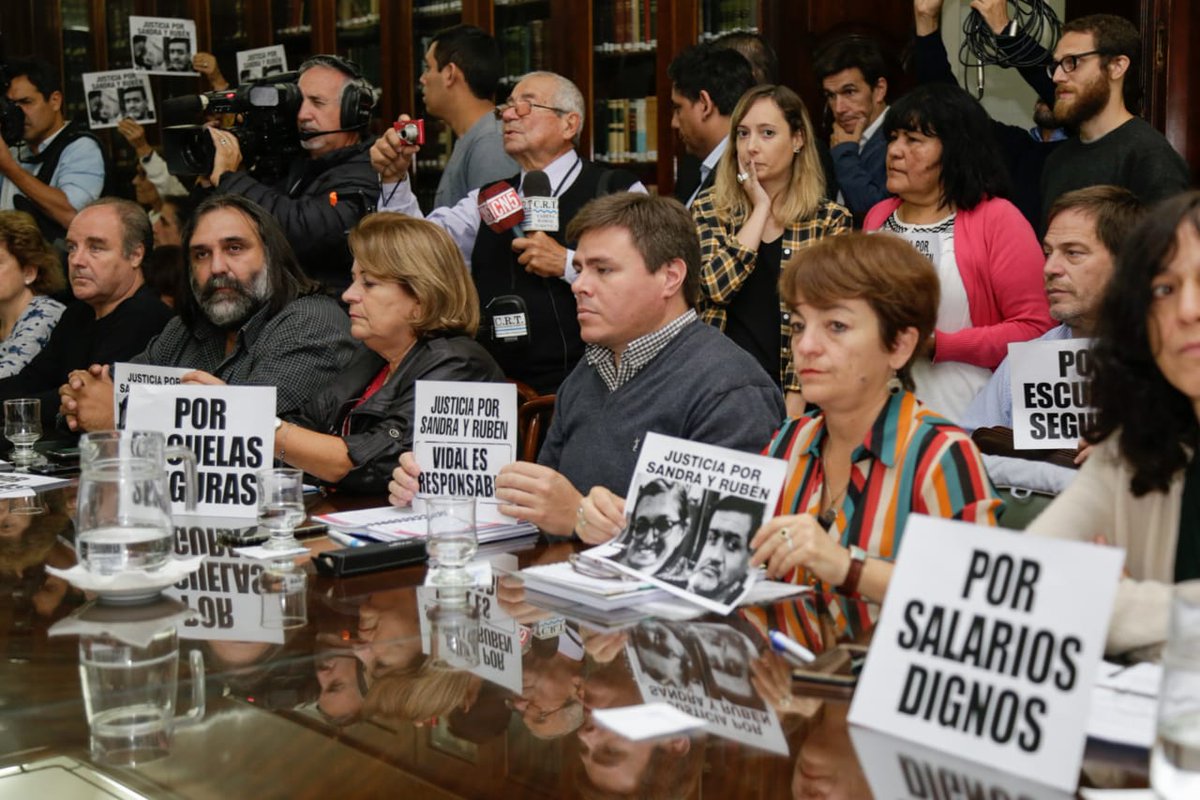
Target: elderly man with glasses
524, 278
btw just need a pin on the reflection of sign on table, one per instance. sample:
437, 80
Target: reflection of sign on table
1051, 393
993, 660
464, 432
499, 634
162, 45
261, 62
229, 428
113, 96
223, 592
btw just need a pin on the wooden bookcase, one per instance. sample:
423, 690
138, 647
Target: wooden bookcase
617, 51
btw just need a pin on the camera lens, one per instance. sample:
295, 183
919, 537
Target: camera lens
410, 133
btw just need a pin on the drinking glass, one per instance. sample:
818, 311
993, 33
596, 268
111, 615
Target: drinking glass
283, 588
23, 427
453, 631
451, 541
280, 505
1175, 760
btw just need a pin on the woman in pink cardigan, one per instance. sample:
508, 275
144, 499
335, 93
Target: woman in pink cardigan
944, 168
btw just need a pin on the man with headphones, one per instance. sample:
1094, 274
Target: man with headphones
321, 198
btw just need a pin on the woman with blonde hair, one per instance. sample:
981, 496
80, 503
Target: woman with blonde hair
29, 273
767, 203
415, 311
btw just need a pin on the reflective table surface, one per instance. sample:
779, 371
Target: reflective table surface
250, 679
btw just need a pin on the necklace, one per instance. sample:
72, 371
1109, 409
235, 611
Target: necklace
829, 515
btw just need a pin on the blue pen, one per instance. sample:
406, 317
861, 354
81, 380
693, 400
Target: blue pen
345, 539
786, 644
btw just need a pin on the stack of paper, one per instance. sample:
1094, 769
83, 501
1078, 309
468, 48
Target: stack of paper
563, 580
1124, 702
389, 523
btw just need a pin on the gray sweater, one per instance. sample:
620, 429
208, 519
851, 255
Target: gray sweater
701, 387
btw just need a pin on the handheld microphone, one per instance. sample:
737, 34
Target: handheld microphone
541, 207
500, 208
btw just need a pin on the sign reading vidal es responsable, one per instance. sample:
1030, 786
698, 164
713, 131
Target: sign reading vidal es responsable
994, 658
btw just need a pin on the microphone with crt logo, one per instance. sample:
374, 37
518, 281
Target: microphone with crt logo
500, 208
541, 207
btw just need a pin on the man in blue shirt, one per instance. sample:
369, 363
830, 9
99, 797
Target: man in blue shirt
58, 168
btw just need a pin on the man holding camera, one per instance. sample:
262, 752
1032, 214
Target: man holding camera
60, 167
523, 276
319, 199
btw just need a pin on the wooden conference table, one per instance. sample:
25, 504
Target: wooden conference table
326, 709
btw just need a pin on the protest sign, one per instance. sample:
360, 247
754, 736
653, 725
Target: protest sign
162, 45
464, 432
693, 509
224, 591
994, 660
703, 669
125, 375
1051, 393
230, 446
113, 96
261, 62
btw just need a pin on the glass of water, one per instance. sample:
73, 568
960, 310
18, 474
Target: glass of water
1175, 760
23, 427
451, 539
280, 506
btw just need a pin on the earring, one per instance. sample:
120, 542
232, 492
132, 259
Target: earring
795, 150
894, 386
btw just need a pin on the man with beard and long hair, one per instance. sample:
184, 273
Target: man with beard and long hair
251, 317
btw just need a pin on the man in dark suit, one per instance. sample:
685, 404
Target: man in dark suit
852, 74
706, 84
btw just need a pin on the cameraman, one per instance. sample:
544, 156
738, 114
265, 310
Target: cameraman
323, 197
60, 167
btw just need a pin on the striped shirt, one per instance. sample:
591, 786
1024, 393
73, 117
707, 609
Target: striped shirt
912, 461
725, 265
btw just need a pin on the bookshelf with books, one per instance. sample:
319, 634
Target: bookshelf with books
359, 36
718, 17
522, 29
292, 25
626, 77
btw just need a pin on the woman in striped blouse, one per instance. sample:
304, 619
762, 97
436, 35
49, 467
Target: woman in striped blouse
862, 307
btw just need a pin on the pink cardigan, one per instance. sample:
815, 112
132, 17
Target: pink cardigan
1000, 262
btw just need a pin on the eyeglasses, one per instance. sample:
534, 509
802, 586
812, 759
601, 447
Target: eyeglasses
1070, 62
524, 108
660, 525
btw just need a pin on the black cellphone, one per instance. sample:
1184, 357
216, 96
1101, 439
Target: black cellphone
63, 455
54, 470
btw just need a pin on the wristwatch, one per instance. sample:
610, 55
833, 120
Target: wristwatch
858, 557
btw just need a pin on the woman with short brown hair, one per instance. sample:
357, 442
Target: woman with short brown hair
862, 309
29, 273
415, 311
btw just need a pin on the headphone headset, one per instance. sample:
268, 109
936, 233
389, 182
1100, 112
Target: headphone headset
358, 98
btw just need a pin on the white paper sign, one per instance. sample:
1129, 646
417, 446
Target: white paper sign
901, 770
162, 45
224, 591
703, 669
988, 646
113, 96
1051, 397
499, 635
693, 509
464, 432
125, 375
229, 428
261, 62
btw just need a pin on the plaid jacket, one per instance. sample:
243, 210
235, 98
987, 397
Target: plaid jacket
725, 264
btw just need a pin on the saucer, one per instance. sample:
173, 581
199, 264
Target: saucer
135, 586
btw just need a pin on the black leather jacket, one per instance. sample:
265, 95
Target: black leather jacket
382, 427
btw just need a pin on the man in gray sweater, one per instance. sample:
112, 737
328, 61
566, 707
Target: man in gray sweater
650, 365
